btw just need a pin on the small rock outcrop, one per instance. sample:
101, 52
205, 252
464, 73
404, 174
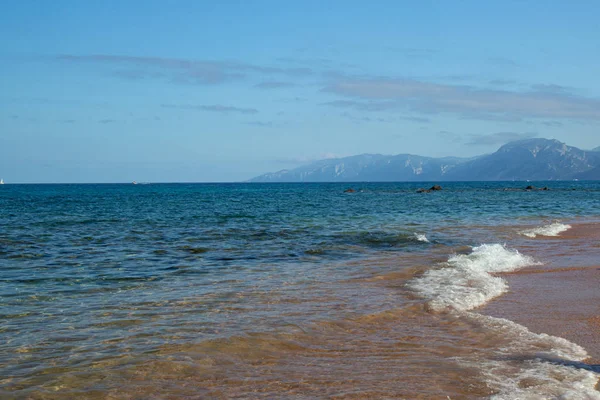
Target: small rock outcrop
349, 190
421, 190
530, 187
435, 187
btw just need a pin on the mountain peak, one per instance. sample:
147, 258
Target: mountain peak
533, 142
528, 159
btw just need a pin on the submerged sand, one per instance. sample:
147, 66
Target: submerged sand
562, 296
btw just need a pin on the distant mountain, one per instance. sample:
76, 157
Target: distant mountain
531, 159
367, 167
596, 149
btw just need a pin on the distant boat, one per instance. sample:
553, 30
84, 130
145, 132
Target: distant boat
134, 183
1, 181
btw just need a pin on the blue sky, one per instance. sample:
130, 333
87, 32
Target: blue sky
202, 91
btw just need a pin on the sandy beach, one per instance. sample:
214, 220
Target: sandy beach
561, 297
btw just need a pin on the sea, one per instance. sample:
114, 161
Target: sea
281, 291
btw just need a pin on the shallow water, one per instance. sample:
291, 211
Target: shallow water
268, 290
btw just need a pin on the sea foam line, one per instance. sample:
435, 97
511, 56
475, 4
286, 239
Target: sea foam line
553, 229
533, 366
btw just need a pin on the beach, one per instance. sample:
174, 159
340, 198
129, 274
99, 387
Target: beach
562, 296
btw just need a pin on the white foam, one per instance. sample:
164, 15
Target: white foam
534, 366
465, 282
526, 365
553, 229
421, 237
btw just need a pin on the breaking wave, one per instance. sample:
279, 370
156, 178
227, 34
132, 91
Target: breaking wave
553, 229
528, 365
534, 366
465, 282
421, 237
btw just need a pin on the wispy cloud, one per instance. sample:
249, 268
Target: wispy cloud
417, 119
362, 119
502, 62
135, 75
552, 124
498, 138
273, 85
183, 70
415, 53
458, 77
261, 124
373, 106
502, 82
293, 100
449, 136
551, 88
212, 108
466, 101
487, 116
377, 118
362, 105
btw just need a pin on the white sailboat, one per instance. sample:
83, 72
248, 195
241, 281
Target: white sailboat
1, 181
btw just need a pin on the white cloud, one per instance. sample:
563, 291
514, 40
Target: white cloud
466, 101
213, 108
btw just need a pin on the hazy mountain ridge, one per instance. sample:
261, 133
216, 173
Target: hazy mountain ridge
367, 167
530, 159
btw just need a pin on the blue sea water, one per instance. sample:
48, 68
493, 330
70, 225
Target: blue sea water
110, 277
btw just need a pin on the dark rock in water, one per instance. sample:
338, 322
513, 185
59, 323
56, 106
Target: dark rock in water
349, 190
545, 188
194, 250
433, 188
530, 187
314, 251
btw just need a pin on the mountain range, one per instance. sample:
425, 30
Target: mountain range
531, 159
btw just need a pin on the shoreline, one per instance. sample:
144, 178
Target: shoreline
561, 296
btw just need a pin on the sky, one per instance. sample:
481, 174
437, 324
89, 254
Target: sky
220, 91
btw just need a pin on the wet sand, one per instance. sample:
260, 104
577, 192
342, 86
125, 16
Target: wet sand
562, 296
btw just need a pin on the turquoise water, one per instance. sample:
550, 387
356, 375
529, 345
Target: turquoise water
90, 273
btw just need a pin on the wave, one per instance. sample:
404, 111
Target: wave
528, 365
381, 238
553, 229
534, 366
465, 282
421, 237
